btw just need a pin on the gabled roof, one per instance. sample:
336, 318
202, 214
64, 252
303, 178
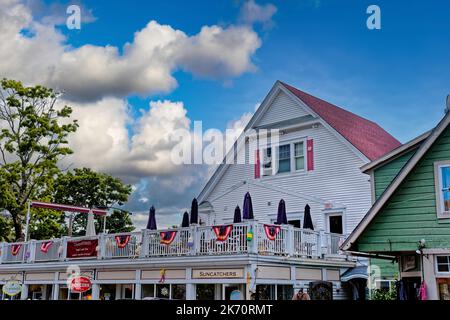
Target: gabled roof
397, 152
366, 136
367, 139
401, 176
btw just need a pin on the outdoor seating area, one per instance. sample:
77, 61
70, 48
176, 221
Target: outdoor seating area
248, 237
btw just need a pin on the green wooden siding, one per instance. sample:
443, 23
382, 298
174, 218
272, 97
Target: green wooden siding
384, 175
388, 269
410, 213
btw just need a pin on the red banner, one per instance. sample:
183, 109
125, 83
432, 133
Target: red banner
46, 245
122, 240
82, 248
167, 237
222, 232
271, 231
15, 249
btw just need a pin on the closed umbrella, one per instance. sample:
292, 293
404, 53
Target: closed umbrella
151, 224
248, 207
237, 215
281, 215
307, 220
194, 212
185, 222
90, 226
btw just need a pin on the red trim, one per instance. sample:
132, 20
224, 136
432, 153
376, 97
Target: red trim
271, 231
15, 249
122, 240
167, 237
63, 207
222, 232
310, 154
45, 246
257, 165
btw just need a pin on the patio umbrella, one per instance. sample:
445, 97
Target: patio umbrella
307, 220
281, 216
194, 212
237, 215
151, 224
185, 222
248, 207
90, 226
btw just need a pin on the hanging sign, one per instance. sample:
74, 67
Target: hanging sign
82, 248
12, 288
271, 231
222, 232
45, 246
122, 240
167, 237
80, 284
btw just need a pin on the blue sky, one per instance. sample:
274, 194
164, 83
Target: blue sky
126, 94
391, 76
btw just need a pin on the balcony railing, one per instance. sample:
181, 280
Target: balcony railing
242, 238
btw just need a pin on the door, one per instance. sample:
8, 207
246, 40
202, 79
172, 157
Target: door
335, 224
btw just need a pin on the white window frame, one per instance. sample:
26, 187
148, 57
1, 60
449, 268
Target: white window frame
390, 281
275, 151
335, 213
441, 213
436, 264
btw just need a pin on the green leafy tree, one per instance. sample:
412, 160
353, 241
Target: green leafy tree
33, 138
87, 188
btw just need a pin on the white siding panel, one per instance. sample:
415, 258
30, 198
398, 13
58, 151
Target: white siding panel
336, 177
282, 108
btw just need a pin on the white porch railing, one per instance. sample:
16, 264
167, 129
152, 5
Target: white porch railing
194, 240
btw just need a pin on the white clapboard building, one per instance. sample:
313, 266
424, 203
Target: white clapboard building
316, 162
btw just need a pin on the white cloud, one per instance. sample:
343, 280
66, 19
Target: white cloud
144, 67
251, 13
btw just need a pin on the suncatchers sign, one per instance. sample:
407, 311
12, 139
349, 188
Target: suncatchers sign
80, 284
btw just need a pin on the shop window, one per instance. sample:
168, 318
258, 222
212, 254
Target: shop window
163, 291
205, 291
179, 291
107, 292
284, 292
148, 291
265, 292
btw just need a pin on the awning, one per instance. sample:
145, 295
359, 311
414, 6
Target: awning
66, 208
355, 273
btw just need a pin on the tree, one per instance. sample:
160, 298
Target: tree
87, 188
33, 138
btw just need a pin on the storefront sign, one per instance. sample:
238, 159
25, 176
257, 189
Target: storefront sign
217, 273
80, 284
82, 248
12, 288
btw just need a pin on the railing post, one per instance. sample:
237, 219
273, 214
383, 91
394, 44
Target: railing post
290, 240
101, 246
254, 242
195, 240
31, 248
64, 249
320, 248
144, 244
2, 251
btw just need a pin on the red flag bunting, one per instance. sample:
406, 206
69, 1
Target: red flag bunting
45, 246
122, 240
167, 237
15, 249
271, 231
222, 232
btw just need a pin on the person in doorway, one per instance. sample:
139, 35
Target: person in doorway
301, 295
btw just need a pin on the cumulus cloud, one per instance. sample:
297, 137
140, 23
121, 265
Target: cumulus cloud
251, 13
144, 66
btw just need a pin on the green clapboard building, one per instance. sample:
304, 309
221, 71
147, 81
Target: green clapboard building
406, 232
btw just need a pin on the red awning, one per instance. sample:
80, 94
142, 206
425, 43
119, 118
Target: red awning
67, 208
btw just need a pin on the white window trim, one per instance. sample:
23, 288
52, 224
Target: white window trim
441, 213
391, 283
291, 143
436, 265
335, 213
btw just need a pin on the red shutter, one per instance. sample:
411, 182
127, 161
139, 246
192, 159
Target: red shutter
310, 154
257, 165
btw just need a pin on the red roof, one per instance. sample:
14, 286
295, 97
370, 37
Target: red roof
365, 135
